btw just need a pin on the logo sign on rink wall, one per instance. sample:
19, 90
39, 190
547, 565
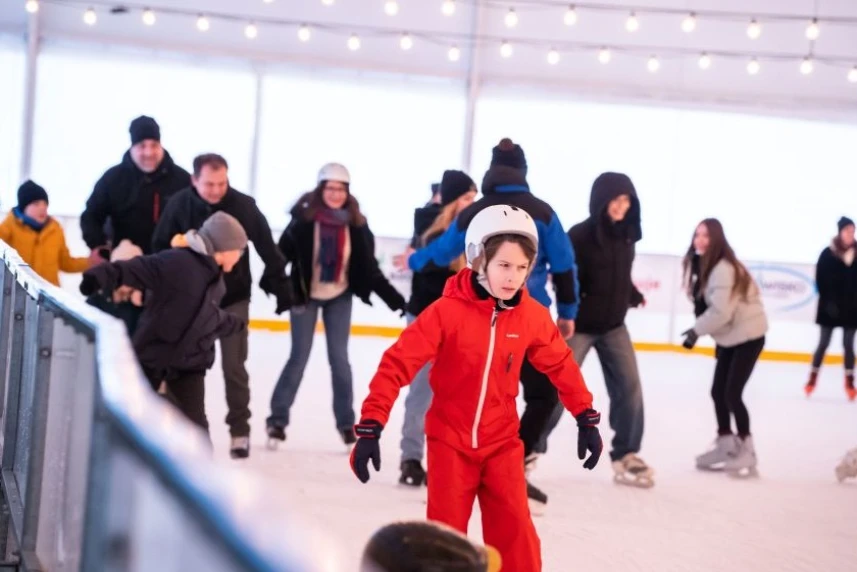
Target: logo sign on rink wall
658, 278
385, 250
788, 290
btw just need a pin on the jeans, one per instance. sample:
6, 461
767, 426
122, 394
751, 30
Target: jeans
416, 404
824, 341
233, 350
622, 377
336, 315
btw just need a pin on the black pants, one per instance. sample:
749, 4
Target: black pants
824, 341
233, 356
186, 392
731, 374
541, 398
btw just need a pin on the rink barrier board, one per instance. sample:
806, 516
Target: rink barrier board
393, 332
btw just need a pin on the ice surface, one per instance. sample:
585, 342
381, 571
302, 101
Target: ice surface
794, 517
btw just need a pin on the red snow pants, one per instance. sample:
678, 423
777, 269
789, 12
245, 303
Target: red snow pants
495, 475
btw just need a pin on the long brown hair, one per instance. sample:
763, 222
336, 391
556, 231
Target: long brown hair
442, 221
718, 249
312, 202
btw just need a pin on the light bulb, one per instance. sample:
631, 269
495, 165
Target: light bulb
148, 17
304, 33
604, 55
806, 66
506, 49
353, 43
632, 24
406, 42
753, 67
202, 24
570, 17
689, 23
454, 54
852, 75
251, 31
813, 31
90, 17
448, 7
268, 1
327, 2
704, 61
553, 57
754, 30
511, 18
32, 6
391, 7
653, 64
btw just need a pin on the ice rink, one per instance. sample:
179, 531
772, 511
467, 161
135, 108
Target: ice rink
794, 517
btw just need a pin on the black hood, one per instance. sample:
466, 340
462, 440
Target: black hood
500, 178
607, 187
424, 216
163, 169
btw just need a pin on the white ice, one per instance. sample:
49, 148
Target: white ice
794, 517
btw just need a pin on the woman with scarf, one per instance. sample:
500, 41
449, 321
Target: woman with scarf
836, 279
332, 256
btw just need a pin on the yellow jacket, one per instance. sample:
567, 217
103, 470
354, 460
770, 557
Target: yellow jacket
45, 251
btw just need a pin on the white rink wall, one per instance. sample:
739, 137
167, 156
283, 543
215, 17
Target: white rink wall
788, 290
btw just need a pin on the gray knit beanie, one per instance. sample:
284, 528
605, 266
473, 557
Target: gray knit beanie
224, 232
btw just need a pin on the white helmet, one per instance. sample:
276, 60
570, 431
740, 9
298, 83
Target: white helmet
334, 172
494, 220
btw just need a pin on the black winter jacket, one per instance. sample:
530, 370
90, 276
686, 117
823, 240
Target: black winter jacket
131, 202
187, 211
181, 318
426, 285
837, 288
364, 274
605, 255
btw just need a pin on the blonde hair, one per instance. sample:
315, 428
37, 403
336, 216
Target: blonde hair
442, 222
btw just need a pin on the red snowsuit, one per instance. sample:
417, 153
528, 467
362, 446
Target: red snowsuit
472, 424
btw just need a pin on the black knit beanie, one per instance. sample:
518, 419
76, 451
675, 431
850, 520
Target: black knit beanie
509, 154
30, 192
144, 127
843, 222
453, 185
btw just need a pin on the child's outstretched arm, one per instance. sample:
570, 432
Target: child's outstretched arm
141, 273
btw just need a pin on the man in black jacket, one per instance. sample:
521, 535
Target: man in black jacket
605, 247
187, 210
174, 340
131, 196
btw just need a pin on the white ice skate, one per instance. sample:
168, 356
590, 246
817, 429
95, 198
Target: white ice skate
276, 435
743, 463
633, 471
725, 447
848, 467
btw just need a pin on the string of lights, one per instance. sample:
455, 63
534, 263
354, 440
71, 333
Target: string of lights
407, 40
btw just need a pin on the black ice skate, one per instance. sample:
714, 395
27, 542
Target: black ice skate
275, 436
348, 437
413, 474
537, 499
240, 448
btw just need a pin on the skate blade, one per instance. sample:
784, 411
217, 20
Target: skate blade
642, 482
751, 473
271, 444
717, 468
537, 508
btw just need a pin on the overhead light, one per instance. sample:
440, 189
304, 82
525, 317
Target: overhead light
304, 33
754, 30
806, 66
90, 17
148, 17
852, 75
268, 1
604, 55
406, 42
506, 49
32, 6
202, 24
353, 43
448, 7
391, 7
511, 18
251, 31
570, 17
813, 31
704, 61
327, 2
632, 24
689, 23
553, 57
454, 54
653, 64
753, 67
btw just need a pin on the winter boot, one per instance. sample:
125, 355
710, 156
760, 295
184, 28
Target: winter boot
348, 436
810, 385
725, 447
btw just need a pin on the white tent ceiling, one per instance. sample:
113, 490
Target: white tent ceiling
780, 47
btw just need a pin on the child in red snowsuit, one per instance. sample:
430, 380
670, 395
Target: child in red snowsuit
478, 335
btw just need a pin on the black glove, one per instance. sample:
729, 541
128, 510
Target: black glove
589, 438
89, 285
690, 337
368, 432
282, 288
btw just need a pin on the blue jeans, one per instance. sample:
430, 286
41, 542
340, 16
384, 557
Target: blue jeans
619, 364
416, 405
336, 315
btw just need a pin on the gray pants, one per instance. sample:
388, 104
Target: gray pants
233, 351
416, 405
619, 364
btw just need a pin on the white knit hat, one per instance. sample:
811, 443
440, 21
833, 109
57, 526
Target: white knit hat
125, 251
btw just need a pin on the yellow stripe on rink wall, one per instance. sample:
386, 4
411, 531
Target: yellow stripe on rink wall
393, 332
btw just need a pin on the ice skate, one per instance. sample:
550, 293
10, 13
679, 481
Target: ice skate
413, 474
348, 437
240, 448
850, 390
276, 435
537, 500
847, 468
743, 463
530, 463
810, 385
633, 471
725, 447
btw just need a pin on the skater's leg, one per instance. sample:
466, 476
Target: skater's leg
416, 404
303, 321
744, 360
233, 356
848, 347
506, 521
336, 315
821, 349
718, 389
188, 388
541, 398
580, 345
453, 485
622, 378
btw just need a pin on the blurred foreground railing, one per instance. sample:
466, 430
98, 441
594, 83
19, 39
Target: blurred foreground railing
98, 474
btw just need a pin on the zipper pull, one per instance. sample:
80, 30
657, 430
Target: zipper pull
509, 363
494, 317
